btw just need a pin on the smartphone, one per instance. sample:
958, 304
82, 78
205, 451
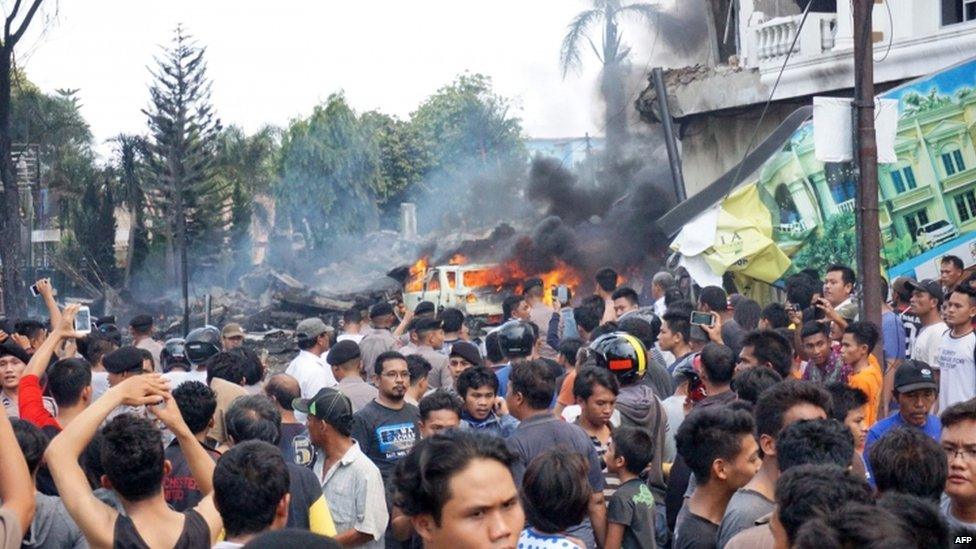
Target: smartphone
34, 291
83, 322
702, 318
562, 294
696, 389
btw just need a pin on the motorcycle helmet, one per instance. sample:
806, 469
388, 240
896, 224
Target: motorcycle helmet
621, 353
174, 355
201, 344
516, 338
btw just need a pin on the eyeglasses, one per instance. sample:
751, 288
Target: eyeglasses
966, 453
396, 375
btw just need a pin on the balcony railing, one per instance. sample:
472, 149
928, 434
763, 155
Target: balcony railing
846, 206
772, 39
794, 228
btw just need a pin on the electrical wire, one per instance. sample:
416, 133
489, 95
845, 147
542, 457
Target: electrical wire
891, 30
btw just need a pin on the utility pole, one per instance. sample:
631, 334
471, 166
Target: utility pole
866, 156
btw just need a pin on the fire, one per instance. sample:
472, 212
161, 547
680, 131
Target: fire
415, 283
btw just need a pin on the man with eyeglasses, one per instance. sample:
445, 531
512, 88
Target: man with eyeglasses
959, 442
387, 428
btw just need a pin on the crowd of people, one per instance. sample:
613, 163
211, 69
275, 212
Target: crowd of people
685, 421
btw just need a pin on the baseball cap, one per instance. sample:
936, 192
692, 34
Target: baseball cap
232, 329
343, 352
929, 286
380, 309
329, 405
141, 322
900, 287
913, 375
467, 351
313, 327
123, 359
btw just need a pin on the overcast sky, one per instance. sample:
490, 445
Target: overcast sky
273, 61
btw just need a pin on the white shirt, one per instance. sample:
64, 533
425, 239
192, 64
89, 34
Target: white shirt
355, 338
354, 489
312, 374
659, 307
957, 369
927, 343
178, 378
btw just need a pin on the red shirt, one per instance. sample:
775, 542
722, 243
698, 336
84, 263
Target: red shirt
30, 400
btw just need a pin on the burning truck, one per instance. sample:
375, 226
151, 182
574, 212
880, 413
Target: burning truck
477, 289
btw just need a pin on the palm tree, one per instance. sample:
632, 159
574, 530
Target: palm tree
612, 53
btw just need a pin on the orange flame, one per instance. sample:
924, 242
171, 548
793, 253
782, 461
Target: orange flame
415, 283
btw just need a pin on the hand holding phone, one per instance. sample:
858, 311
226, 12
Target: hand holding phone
702, 318
83, 324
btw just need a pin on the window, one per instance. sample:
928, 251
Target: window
897, 180
903, 178
966, 205
958, 11
840, 181
909, 177
952, 159
914, 221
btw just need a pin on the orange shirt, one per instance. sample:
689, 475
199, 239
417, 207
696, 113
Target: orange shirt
566, 397
869, 380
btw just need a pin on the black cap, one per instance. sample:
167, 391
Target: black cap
342, 352
10, 347
329, 405
111, 333
422, 325
467, 351
913, 375
141, 322
424, 307
530, 283
123, 359
929, 286
380, 309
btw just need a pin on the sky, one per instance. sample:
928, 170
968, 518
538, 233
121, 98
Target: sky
273, 61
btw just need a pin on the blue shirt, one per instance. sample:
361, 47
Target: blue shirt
893, 336
932, 428
502, 375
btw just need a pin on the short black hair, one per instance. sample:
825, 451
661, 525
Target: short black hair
844, 399
718, 363
452, 319
253, 369
812, 328
132, 456
635, 445
707, 434
475, 377
957, 413
775, 402
29, 328
679, 324
855, 524
747, 314
864, 333
681, 307
671, 296
814, 441
32, 442
418, 367
806, 492
644, 328
966, 290
197, 404
249, 482
493, 350
590, 376
421, 481
509, 304
569, 348
67, 379
606, 278
907, 460
596, 303
921, 516
628, 293
440, 400
354, 315
847, 273
253, 417
383, 358
715, 298
555, 490
534, 380
801, 287
586, 318
956, 262
226, 365
771, 347
752, 382
775, 314
281, 393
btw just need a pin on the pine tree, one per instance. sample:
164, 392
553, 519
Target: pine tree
93, 225
186, 198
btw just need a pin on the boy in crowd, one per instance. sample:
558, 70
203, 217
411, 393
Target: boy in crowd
849, 408
824, 366
630, 513
675, 338
448, 478
768, 349
720, 448
596, 392
957, 352
855, 347
555, 496
419, 369
251, 492
197, 404
439, 411
483, 410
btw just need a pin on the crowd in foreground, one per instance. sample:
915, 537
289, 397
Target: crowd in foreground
712, 422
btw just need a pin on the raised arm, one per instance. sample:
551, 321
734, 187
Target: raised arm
16, 487
46, 290
63, 329
96, 520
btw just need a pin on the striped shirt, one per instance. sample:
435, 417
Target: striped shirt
610, 481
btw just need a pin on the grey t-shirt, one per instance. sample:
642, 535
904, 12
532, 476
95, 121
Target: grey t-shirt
52, 526
743, 510
693, 532
732, 335
633, 506
954, 523
386, 435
